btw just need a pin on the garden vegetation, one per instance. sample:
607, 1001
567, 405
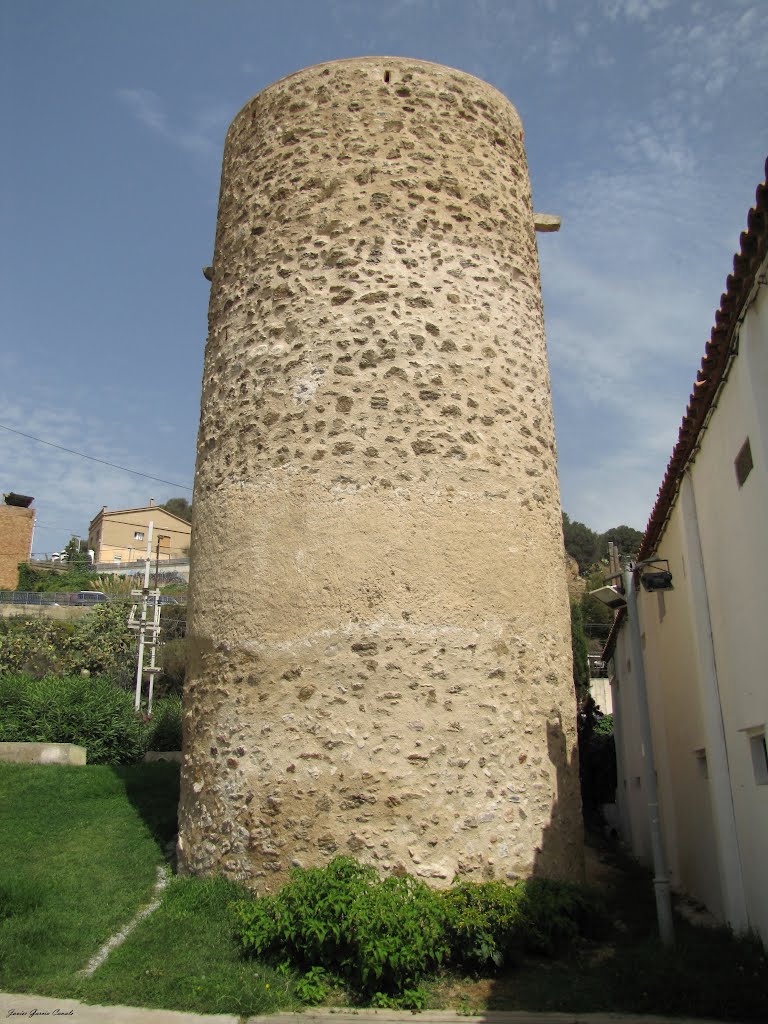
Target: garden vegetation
341, 925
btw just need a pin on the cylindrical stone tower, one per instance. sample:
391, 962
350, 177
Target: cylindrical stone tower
379, 636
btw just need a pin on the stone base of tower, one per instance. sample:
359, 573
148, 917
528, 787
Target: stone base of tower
402, 712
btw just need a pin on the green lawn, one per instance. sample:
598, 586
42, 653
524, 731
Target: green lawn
76, 860
79, 851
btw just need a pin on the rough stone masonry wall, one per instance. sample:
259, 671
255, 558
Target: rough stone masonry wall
379, 629
16, 526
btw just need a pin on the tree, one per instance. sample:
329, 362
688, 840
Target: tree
76, 551
581, 543
580, 659
626, 539
180, 507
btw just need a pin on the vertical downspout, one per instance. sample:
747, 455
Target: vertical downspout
660, 873
726, 836
625, 819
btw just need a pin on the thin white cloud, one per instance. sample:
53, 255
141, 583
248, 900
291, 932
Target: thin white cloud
203, 137
69, 491
709, 49
661, 147
627, 319
634, 10
559, 51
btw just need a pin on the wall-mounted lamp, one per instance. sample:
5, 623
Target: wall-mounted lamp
654, 579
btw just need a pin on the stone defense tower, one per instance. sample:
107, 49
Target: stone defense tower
379, 628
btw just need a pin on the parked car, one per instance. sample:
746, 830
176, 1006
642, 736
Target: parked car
88, 597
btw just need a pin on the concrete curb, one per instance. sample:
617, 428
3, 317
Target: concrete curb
21, 1006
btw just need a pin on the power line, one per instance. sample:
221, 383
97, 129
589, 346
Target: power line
158, 529
103, 462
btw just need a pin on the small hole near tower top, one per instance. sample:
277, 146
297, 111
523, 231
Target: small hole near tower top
387, 76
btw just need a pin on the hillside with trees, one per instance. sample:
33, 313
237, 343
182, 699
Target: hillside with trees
590, 549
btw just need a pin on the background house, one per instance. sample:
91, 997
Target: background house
121, 536
17, 524
702, 642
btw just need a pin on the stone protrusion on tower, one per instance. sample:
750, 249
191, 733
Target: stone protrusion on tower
379, 633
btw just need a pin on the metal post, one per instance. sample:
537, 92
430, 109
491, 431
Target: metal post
157, 560
661, 877
153, 650
143, 621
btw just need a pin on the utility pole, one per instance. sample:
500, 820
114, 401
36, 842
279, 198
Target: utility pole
157, 559
148, 631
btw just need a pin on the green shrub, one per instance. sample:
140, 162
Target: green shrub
398, 932
485, 924
91, 712
164, 729
554, 914
494, 923
75, 577
173, 661
383, 937
102, 641
98, 642
306, 920
379, 936
35, 647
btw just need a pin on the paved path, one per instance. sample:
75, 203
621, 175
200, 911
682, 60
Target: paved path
21, 1007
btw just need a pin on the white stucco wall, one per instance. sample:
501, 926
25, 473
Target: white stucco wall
705, 663
734, 543
680, 738
600, 692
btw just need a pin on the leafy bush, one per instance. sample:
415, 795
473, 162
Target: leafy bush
102, 640
173, 661
35, 646
98, 642
75, 577
307, 919
554, 914
493, 923
164, 728
485, 923
383, 937
90, 712
398, 935
379, 936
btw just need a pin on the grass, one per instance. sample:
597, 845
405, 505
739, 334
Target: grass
186, 958
76, 860
79, 849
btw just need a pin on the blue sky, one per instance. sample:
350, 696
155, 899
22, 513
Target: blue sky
646, 130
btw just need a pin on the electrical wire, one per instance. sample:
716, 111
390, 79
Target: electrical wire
158, 529
92, 458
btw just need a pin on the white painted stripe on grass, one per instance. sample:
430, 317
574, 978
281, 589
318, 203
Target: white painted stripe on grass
119, 937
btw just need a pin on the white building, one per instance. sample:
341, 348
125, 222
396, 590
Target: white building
702, 642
